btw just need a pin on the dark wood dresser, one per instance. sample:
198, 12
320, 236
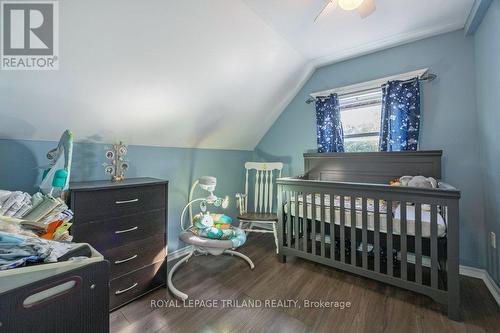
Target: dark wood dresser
127, 223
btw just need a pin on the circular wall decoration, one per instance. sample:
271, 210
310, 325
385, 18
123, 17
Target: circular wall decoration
109, 169
110, 154
122, 150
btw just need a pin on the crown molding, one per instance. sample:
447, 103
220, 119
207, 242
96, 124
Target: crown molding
476, 16
386, 43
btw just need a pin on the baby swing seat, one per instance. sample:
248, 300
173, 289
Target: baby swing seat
208, 233
205, 245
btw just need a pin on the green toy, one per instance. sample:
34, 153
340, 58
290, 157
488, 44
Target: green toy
55, 179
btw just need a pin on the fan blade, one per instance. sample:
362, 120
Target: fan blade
366, 8
329, 6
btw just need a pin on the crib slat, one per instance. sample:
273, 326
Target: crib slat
418, 243
434, 248
313, 223
364, 234
304, 220
332, 226
289, 220
376, 240
353, 230
322, 223
297, 220
404, 257
390, 263
342, 229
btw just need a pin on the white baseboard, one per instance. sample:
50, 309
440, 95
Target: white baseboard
174, 255
485, 276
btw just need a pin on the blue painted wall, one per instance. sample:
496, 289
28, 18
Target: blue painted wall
487, 45
19, 161
449, 120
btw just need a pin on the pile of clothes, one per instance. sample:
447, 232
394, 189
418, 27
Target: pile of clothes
34, 229
18, 250
38, 215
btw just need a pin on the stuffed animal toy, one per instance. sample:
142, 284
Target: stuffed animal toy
418, 181
214, 226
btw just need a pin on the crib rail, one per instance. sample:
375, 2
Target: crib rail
407, 237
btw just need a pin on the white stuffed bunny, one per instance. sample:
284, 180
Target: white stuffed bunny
418, 181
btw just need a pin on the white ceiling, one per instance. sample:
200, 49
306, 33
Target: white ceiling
340, 34
196, 73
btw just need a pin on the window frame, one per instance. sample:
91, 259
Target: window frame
357, 100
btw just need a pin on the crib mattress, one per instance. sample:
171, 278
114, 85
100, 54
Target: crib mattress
396, 212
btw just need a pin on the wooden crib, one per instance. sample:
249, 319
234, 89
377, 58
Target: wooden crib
343, 213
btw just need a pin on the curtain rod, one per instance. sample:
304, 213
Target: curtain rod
425, 77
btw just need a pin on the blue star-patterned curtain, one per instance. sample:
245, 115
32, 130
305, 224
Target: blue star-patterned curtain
330, 135
400, 125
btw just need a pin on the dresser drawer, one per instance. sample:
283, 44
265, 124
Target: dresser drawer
135, 284
135, 255
111, 233
90, 206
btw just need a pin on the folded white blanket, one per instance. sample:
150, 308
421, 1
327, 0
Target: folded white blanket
14, 204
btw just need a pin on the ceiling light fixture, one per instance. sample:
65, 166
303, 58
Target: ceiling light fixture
350, 4
364, 7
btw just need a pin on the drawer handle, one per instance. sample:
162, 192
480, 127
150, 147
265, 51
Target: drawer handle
120, 202
118, 292
117, 262
126, 230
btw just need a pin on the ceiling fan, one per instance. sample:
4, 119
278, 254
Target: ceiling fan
364, 7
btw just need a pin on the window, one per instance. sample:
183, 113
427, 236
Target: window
360, 113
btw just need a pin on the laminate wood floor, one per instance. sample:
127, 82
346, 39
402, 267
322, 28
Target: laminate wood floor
375, 307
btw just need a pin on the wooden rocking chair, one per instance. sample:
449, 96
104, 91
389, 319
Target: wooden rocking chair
263, 213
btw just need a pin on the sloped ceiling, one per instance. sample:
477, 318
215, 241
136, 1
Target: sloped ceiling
196, 73
341, 34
